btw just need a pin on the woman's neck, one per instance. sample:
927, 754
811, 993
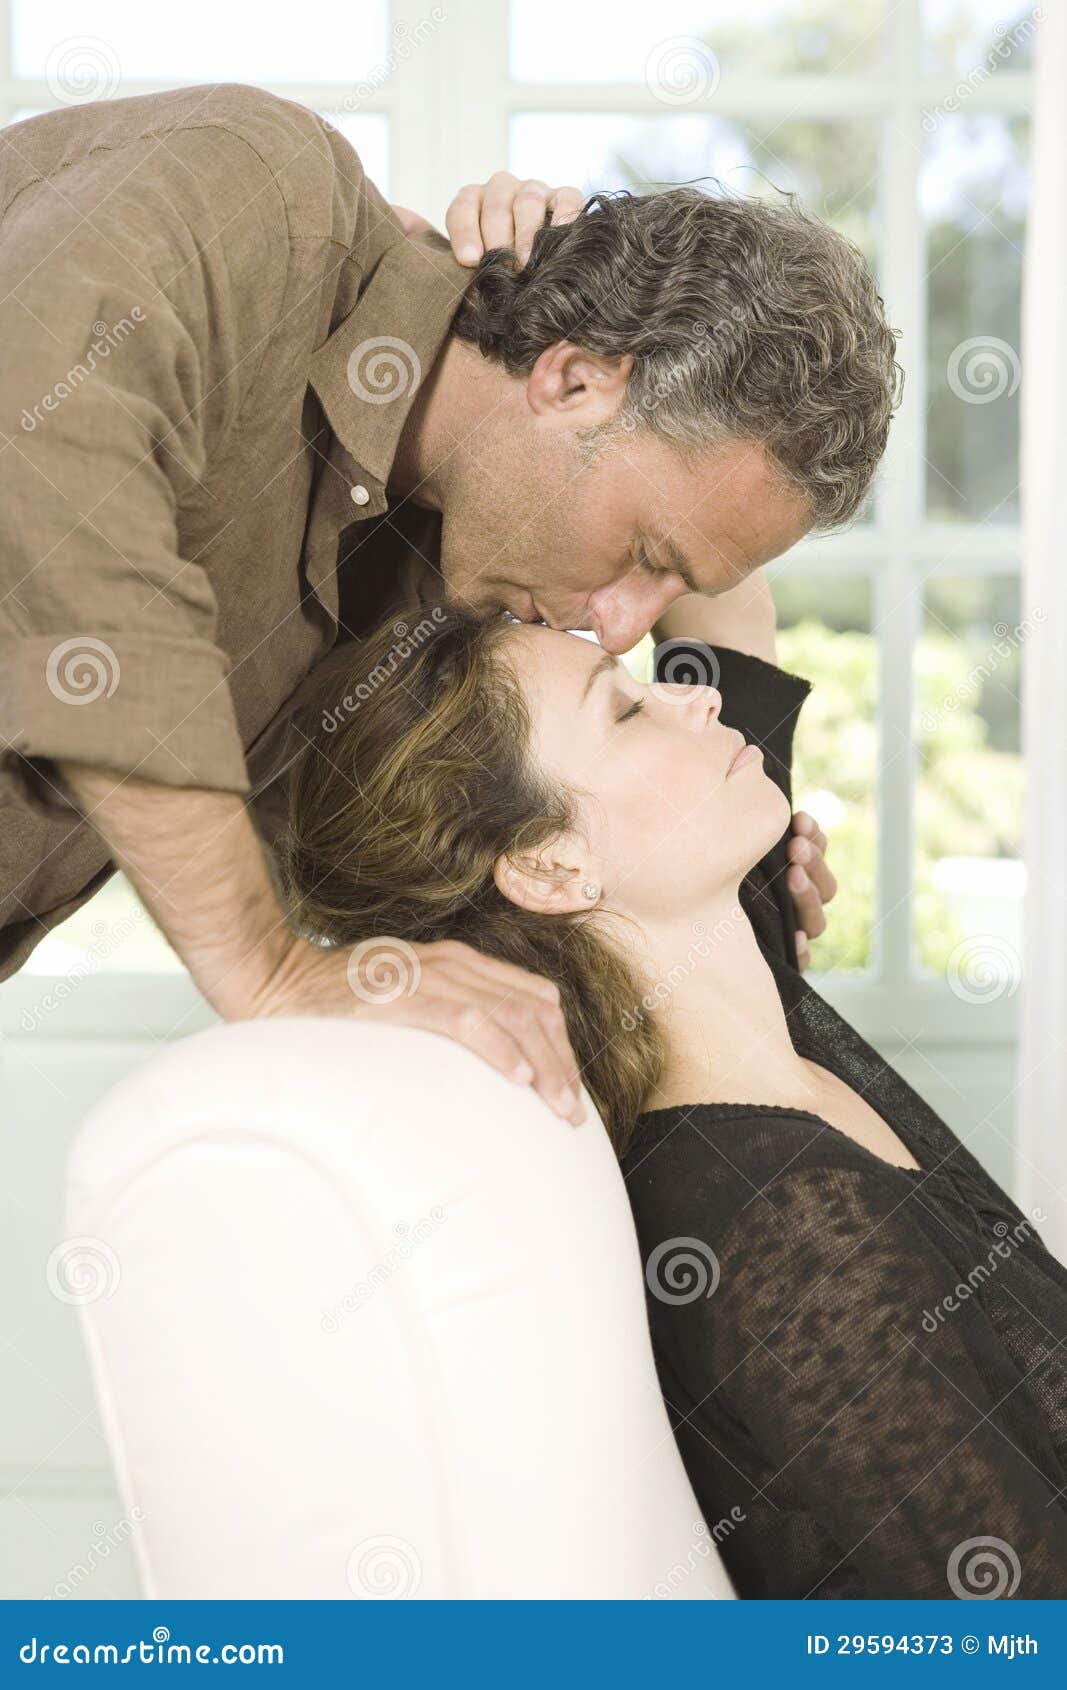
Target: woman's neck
725, 1029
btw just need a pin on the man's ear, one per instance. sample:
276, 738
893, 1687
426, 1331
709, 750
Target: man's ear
574, 383
553, 881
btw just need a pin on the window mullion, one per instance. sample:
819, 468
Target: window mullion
900, 504
449, 111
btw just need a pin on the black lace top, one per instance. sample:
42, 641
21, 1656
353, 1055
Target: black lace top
864, 1365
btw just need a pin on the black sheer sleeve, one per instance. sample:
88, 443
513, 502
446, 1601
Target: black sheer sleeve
763, 702
869, 1401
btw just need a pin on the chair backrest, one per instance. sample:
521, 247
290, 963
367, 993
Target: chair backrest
365, 1319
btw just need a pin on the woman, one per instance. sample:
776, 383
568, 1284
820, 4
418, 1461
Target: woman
859, 1336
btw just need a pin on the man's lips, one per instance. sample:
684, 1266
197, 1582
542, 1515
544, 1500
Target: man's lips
530, 612
534, 613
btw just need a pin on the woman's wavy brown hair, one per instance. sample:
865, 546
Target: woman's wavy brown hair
417, 777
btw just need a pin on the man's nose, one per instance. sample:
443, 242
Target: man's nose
623, 613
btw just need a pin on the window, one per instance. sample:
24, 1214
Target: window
906, 126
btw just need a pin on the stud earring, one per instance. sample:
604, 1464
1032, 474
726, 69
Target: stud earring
591, 890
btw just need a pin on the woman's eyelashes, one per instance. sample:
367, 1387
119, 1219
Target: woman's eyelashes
634, 710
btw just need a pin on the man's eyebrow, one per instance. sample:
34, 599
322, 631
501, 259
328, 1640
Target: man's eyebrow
600, 667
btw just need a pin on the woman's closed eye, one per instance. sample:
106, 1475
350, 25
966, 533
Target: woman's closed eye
634, 710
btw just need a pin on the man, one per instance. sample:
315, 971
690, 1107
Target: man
245, 412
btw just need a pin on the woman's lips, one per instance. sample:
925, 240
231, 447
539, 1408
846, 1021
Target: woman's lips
745, 754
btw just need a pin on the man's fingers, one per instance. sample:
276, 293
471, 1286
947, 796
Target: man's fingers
806, 827
565, 204
498, 210
529, 211
474, 989
493, 971
803, 954
471, 1027
541, 1035
505, 212
808, 855
822, 875
539, 1027
807, 905
514, 1038
463, 223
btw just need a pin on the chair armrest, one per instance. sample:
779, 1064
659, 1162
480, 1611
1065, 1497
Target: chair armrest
370, 1320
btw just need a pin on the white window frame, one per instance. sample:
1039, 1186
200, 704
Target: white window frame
449, 103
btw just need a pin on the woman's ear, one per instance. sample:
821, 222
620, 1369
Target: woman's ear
550, 882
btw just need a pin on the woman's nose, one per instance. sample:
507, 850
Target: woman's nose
693, 697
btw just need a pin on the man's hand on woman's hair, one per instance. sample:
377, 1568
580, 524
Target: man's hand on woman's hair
810, 881
501, 212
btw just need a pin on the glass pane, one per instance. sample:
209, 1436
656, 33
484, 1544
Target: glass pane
969, 877
824, 634
832, 166
84, 49
368, 133
973, 187
112, 934
681, 47
972, 39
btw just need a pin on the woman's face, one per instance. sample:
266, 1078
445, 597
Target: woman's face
669, 812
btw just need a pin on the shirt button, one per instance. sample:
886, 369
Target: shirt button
360, 495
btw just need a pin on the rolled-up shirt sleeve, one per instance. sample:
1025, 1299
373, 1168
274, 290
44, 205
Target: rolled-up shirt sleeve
108, 652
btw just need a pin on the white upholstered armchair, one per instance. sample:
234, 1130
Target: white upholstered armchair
373, 1324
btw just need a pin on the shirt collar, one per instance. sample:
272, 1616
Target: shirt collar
366, 375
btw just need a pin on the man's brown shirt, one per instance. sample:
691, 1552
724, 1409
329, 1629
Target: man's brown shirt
213, 328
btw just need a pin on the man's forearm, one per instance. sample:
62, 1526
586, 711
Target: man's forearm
742, 619
195, 860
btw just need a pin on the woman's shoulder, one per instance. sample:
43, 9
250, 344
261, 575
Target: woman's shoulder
726, 1155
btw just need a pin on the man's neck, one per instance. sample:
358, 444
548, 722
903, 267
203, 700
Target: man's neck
445, 412
726, 1030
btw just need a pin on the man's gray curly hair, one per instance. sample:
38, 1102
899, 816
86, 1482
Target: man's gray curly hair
746, 320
